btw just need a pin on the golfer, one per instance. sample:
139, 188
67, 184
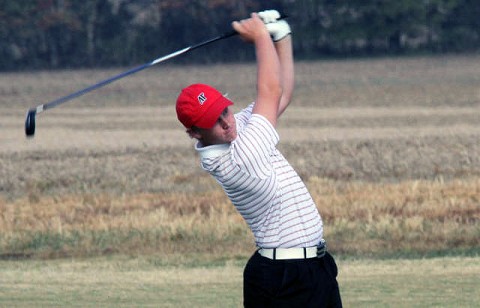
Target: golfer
291, 267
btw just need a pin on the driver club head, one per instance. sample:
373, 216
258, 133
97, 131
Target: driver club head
30, 123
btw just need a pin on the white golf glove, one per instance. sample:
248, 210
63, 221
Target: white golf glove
278, 29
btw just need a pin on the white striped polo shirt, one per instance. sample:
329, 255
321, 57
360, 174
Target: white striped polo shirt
262, 185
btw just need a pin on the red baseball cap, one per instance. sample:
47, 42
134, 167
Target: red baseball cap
200, 105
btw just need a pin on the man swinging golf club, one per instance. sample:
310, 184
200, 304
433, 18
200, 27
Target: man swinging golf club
291, 267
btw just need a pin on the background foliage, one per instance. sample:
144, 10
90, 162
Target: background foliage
46, 34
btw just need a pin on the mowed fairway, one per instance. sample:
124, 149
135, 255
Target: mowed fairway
440, 282
107, 204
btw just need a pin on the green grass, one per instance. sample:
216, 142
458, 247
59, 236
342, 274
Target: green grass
140, 282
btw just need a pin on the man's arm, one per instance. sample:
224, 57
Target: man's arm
280, 32
269, 84
285, 55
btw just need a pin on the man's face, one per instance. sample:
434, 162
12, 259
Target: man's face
224, 130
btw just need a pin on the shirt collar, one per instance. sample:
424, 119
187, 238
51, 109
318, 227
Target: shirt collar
211, 151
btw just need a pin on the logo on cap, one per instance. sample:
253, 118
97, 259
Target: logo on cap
202, 98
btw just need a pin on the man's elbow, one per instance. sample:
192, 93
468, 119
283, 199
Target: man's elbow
274, 91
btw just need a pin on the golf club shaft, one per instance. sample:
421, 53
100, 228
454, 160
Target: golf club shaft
61, 100
32, 112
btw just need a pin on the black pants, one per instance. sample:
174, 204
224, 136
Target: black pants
291, 283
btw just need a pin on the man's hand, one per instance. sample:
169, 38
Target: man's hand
251, 29
269, 16
278, 29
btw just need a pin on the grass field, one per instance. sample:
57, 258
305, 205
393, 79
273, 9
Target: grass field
389, 148
118, 282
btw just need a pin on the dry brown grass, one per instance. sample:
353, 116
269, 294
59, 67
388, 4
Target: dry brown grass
361, 219
389, 148
387, 218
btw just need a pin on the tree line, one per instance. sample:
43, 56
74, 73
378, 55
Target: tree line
50, 34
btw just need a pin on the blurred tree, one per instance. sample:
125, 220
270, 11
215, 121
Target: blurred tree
68, 33
460, 25
57, 25
17, 32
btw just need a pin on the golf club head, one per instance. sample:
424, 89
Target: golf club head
30, 123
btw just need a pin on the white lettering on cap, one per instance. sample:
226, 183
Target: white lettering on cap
202, 98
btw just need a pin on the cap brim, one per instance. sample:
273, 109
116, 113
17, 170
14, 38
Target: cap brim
211, 115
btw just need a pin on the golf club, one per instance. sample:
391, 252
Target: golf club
32, 112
